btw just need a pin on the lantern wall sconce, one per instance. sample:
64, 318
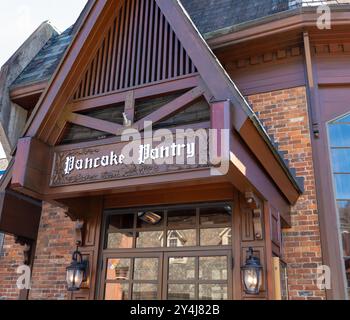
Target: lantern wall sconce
252, 274
76, 273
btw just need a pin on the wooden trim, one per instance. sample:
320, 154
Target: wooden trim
93, 123
146, 91
271, 28
28, 90
172, 107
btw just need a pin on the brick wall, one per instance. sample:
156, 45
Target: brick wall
285, 115
11, 257
55, 245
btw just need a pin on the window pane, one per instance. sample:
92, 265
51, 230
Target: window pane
181, 238
341, 160
181, 292
344, 215
342, 185
150, 219
347, 270
215, 237
117, 291
213, 268
118, 269
182, 268
146, 269
212, 292
181, 217
215, 215
151, 239
339, 135
145, 291
120, 240
120, 221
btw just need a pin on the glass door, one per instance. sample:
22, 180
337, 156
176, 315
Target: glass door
197, 276
132, 277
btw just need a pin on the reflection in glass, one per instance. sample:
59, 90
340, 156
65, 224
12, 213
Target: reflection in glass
344, 215
215, 237
182, 268
149, 219
181, 238
347, 270
145, 291
116, 291
120, 221
181, 217
215, 215
120, 240
212, 292
181, 292
341, 160
151, 239
146, 269
339, 135
118, 269
342, 185
213, 268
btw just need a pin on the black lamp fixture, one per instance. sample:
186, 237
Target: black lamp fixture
76, 273
252, 274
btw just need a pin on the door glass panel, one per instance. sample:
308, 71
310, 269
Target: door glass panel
146, 269
181, 218
145, 291
120, 240
215, 237
151, 239
181, 238
215, 215
213, 268
182, 268
212, 292
181, 292
117, 291
118, 269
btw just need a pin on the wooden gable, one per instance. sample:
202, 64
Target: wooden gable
126, 55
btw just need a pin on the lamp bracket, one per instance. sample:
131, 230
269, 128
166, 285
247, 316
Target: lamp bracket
79, 224
254, 204
27, 246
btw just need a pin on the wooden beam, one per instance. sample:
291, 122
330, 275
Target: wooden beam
93, 123
172, 107
146, 91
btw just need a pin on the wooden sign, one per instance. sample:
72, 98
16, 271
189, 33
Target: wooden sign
122, 161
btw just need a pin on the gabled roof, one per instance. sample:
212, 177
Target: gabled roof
42, 67
207, 15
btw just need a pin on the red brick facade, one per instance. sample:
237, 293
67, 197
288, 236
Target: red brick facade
55, 245
285, 115
11, 258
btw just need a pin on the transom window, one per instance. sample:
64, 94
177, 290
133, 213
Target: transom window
339, 137
173, 227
